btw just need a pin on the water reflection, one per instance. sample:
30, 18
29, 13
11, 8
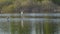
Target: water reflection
30, 26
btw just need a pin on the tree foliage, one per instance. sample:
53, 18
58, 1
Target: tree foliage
56, 2
8, 9
8, 6
39, 0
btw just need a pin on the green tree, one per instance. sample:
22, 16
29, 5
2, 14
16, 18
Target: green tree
39, 0
5, 3
8, 9
56, 2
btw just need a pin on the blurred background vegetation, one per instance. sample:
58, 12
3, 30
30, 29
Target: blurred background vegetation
14, 6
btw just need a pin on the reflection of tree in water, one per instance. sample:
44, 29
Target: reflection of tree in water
27, 27
51, 27
17, 28
38, 26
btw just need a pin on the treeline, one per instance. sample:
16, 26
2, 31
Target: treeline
15, 6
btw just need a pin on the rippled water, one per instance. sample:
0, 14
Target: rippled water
33, 21
3, 32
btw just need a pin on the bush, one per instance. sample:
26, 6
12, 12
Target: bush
56, 2
39, 0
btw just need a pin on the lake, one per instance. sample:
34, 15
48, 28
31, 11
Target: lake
32, 23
